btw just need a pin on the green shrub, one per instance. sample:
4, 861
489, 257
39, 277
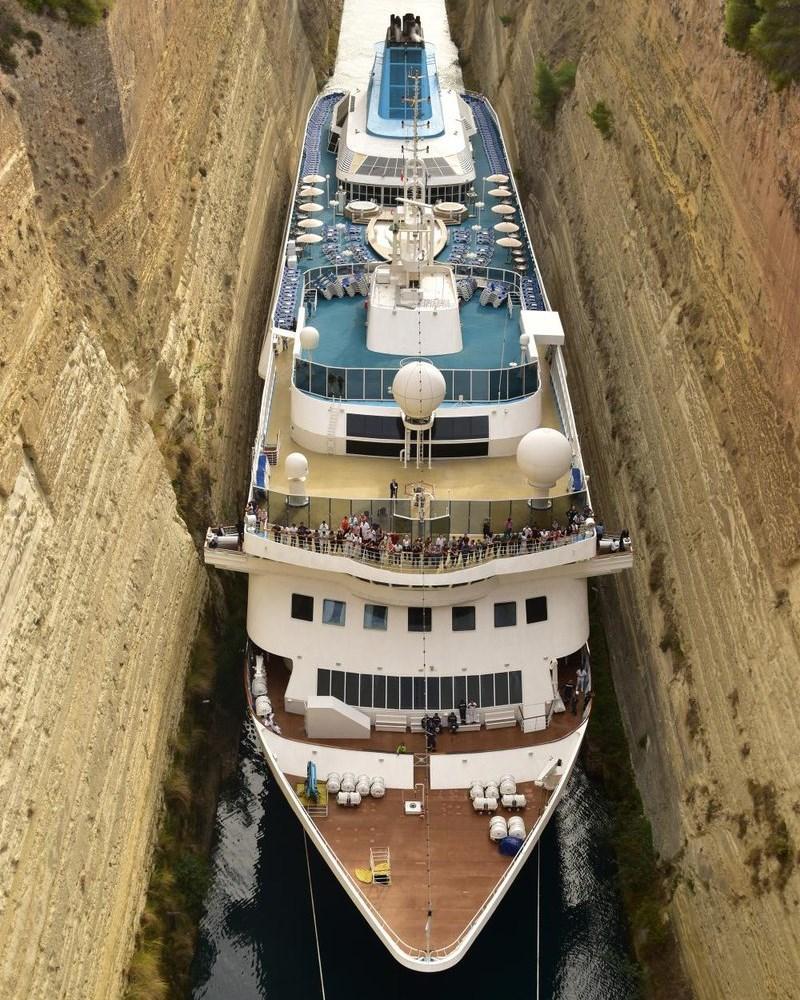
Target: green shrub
603, 119
192, 877
770, 31
565, 76
506, 20
740, 16
549, 87
81, 12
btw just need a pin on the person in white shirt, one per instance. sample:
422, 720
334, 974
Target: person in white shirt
582, 680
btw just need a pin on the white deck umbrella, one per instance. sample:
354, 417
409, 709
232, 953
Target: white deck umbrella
500, 192
313, 179
492, 178
309, 238
309, 223
310, 206
310, 192
503, 209
507, 227
509, 242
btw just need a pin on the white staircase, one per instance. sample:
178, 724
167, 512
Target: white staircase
333, 421
380, 865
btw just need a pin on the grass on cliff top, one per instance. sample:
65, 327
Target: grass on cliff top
768, 30
81, 12
180, 874
643, 885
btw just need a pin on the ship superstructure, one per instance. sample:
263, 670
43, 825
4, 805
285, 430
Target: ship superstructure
419, 533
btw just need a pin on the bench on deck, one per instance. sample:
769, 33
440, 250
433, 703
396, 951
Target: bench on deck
498, 718
469, 727
390, 723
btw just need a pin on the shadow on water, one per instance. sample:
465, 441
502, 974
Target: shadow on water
257, 937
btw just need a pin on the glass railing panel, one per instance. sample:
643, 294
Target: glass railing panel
301, 375
516, 382
448, 382
480, 513
373, 379
355, 383
319, 380
520, 513
340, 509
336, 382
480, 385
500, 512
387, 375
459, 517
461, 384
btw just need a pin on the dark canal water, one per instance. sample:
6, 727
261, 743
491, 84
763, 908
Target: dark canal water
257, 937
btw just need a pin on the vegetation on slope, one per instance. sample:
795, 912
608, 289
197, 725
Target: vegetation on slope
643, 883
769, 30
14, 40
549, 87
603, 119
81, 12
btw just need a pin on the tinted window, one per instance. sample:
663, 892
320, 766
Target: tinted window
379, 691
447, 692
365, 691
505, 614
459, 690
333, 612
393, 692
337, 684
406, 701
487, 690
378, 448
419, 692
323, 682
501, 689
351, 689
376, 616
419, 619
303, 607
536, 609
515, 687
463, 619
433, 692
473, 689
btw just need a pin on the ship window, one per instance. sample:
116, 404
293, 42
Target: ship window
464, 619
515, 687
419, 692
323, 682
393, 692
333, 612
379, 691
433, 692
303, 607
459, 690
351, 688
376, 616
536, 609
505, 614
501, 689
365, 691
337, 684
406, 700
474, 688
487, 690
447, 692
419, 619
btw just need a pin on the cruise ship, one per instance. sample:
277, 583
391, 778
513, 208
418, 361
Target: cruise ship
419, 533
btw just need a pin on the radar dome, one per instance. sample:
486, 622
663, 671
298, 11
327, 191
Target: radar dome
296, 465
309, 338
418, 388
524, 339
544, 455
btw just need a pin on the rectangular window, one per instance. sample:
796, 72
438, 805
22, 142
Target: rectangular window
337, 684
406, 699
419, 692
459, 690
464, 619
447, 692
474, 689
419, 619
376, 616
393, 692
487, 690
333, 612
536, 609
303, 607
365, 692
379, 691
323, 682
351, 688
515, 687
505, 614
433, 692
501, 689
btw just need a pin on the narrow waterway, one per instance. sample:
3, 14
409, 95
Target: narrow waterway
258, 939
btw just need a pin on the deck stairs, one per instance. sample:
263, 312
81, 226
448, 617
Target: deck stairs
380, 865
334, 410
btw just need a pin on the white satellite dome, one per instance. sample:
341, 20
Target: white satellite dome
309, 338
296, 465
544, 455
524, 339
418, 388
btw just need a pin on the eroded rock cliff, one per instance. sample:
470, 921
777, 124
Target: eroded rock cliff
673, 254
144, 170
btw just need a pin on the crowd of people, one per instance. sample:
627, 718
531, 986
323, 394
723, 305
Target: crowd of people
357, 536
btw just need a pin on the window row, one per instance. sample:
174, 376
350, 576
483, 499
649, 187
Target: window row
421, 693
376, 616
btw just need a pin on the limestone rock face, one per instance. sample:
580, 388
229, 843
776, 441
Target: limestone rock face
673, 253
145, 166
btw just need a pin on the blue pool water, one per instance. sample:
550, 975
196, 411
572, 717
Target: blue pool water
257, 937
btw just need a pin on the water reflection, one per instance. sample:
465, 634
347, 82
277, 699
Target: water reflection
257, 937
